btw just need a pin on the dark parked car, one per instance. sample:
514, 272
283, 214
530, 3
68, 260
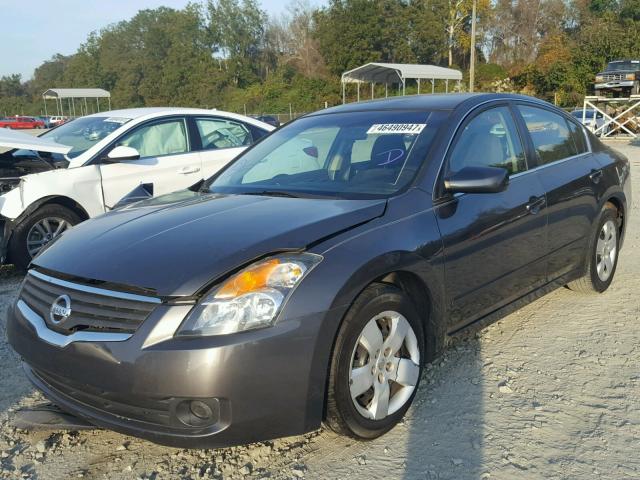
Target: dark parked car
313, 277
270, 119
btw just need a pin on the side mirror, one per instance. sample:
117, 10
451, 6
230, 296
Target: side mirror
122, 153
478, 180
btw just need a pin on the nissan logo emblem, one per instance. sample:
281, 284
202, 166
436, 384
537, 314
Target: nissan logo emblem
60, 309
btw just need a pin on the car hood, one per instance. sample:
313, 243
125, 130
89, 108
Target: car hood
10, 139
177, 244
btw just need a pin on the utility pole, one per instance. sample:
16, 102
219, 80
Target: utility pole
472, 61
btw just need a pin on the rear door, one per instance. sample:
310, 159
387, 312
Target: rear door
570, 176
494, 243
221, 140
166, 162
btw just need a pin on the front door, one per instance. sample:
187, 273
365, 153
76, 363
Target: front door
166, 163
494, 243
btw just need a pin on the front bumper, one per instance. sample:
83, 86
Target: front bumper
260, 384
615, 84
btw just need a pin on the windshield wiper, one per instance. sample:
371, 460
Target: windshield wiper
270, 193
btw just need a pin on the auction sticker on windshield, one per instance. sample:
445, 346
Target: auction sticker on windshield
395, 128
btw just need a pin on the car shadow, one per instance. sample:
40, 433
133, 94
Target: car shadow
446, 430
441, 437
12, 381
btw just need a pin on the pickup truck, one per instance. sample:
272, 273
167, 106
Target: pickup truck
22, 123
621, 78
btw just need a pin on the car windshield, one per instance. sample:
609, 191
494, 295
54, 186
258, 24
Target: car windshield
369, 154
590, 114
83, 133
617, 66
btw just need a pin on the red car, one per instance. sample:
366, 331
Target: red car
21, 123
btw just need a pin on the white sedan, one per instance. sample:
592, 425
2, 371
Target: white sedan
95, 163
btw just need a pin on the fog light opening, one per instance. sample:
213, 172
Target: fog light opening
200, 410
197, 413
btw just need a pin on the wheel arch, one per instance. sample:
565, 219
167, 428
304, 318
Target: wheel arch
618, 201
33, 207
422, 298
427, 301
61, 200
420, 280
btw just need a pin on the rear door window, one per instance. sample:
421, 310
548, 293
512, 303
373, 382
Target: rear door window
577, 135
550, 134
218, 133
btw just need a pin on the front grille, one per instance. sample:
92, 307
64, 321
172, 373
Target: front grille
91, 309
608, 77
154, 411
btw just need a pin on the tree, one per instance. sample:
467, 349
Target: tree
303, 49
380, 34
517, 29
236, 31
427, 30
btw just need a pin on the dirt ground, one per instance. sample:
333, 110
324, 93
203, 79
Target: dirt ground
550, 392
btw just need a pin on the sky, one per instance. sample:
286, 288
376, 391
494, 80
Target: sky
34, 31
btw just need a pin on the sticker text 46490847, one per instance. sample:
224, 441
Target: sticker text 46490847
396, 128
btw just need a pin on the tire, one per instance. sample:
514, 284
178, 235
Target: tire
599, 271
382, 302
18, 252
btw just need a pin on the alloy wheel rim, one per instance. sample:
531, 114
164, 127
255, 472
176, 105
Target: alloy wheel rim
43, 231
606, 250
384, 366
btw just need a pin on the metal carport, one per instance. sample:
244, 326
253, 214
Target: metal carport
392, 73
71, 94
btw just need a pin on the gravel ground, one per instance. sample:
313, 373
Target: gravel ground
552, 391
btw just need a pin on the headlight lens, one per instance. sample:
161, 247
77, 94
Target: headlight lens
631, 76
252, 298
8, 184
599, 78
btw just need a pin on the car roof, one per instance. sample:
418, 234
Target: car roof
153, 112
448, 101
134, 113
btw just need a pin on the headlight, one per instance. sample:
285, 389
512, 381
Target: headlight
630, 76
252, 298
599, 78
8, 184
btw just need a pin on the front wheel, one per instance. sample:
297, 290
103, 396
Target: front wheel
377, 363
38, 229
602, 257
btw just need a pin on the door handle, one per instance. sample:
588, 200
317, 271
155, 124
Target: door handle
595, 176
188, 170
535, 204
